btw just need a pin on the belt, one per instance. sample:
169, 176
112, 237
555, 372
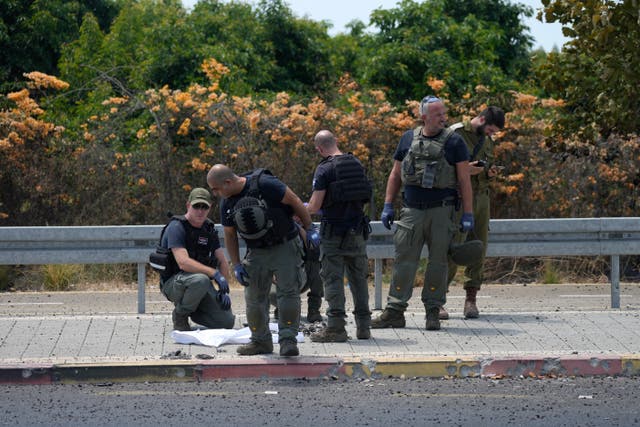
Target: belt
327, 228
268, 243
431, 204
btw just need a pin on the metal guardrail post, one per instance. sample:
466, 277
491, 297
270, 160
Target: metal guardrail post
615, 281
141, 284
377, 280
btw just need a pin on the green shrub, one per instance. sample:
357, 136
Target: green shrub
5, 277
58, 277
550, 273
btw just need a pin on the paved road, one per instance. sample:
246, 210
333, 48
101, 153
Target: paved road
527, 402
492, 298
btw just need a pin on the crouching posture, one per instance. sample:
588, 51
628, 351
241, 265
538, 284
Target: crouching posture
190, 260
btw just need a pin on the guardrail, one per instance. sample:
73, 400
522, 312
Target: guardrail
131, 244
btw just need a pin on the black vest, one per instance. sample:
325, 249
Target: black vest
349, 192
278, 223
200, 243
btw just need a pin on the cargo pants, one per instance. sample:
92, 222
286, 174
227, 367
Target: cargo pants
415, 228
193, 295
340, 256
284, 263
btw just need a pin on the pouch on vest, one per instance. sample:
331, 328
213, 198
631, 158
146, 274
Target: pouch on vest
159, 259
425, 164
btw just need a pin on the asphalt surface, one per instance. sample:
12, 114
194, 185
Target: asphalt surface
523, 330
473, 402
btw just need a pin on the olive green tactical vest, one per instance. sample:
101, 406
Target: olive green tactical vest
425, 164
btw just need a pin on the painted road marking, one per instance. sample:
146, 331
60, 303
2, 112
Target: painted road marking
32, 303
591, 296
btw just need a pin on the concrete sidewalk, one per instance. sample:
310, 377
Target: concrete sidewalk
508, 339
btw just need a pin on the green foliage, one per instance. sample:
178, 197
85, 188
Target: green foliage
596, 73
5, 277
468, 44
299, 48
513, 42
232, 33
58, 277
32, 33
550, 273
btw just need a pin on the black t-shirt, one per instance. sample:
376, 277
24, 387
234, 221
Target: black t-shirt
455, 151
348, 213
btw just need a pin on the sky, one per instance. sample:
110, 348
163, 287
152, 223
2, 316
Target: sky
341, 12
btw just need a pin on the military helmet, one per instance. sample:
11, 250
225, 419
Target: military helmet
466, 253
250, 217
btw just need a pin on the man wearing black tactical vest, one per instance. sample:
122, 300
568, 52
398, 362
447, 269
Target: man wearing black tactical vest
260, 208
340, 190
432, 164
195, 261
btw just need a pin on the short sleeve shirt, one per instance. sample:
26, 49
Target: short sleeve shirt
175, 236
455, 151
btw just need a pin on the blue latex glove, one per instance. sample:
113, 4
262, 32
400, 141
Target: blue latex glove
466, 222
313, 237
224, 300
387, 215
223, 285
241, 274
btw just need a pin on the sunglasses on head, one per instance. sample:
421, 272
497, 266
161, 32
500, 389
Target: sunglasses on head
429, 99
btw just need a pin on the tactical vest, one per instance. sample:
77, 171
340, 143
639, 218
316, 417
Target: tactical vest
200, 243
425, 164
477, 151
258, 223
351, 184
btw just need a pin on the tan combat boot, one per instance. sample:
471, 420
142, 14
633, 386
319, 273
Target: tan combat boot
443, 314
470, 307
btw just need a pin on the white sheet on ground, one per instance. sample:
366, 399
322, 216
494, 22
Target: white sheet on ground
217, 337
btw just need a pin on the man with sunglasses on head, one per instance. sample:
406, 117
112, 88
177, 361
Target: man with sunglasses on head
195, 263
431, 164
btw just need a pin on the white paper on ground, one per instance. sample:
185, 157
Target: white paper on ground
217, 337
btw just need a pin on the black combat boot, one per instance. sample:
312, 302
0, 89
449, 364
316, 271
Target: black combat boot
433, 319
180, 321
389, 319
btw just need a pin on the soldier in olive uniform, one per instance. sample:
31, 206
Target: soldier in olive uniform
477, 134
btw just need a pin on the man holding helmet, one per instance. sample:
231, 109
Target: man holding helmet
432, 163
477, 134
260, 208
